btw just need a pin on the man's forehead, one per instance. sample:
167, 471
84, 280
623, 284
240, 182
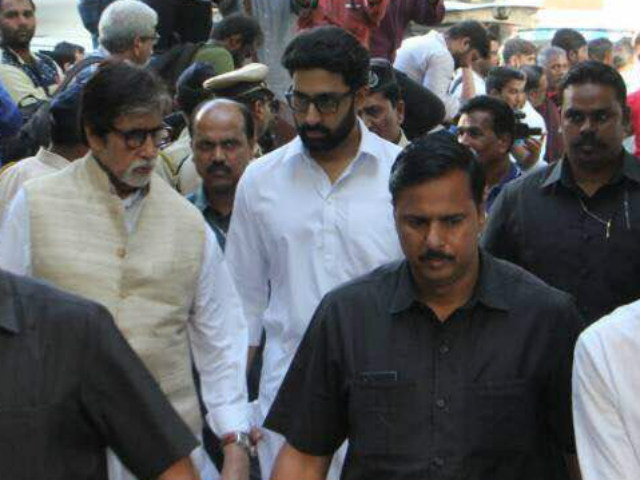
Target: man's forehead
590, 96
476, 118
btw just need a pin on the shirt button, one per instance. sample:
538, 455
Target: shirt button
444, 349
121, 252
437, 462
441, 403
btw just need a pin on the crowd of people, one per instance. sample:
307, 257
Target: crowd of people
417, 261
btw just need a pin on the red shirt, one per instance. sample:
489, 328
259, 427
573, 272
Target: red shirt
358, 17
633, 101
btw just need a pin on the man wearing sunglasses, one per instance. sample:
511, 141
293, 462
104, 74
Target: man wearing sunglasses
107, 229
312, 214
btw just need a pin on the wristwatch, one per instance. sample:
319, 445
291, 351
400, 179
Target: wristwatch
239, 438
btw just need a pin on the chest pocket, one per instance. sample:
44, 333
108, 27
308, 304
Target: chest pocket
500, 417
380, 416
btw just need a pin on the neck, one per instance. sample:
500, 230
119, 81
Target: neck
23, 52
398, 137
68, 153
335, 161
445, 299
591, 181
496, 170
223, 204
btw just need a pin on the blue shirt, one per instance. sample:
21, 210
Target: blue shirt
513, 173
10, 116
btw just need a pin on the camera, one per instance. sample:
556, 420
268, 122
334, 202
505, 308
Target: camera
523, 130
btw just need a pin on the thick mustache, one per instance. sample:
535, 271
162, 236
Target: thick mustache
435, 255
587, 141
218, 167
315, 128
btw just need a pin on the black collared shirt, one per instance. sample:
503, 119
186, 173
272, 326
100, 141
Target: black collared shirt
219, 223
544, 223
70, 387
484, 395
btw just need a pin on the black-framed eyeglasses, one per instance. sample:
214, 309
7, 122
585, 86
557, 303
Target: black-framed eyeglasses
161, 136
154, 38
326, 103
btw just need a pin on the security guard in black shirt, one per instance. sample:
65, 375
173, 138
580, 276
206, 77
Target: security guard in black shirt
450, 364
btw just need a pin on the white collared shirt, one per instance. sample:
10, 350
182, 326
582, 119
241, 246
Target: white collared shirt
606, 384
294, 236
44, 163
216, 325
427, 60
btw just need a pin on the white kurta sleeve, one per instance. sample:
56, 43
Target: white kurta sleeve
604, 450
218, 335
15, 237
247, 261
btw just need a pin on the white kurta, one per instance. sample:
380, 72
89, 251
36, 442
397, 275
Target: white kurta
606, 383
216, 326
294, 236
43, 163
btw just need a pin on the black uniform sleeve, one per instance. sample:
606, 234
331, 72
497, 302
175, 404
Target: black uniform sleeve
310, 410
500, 234
127, 406
564, 335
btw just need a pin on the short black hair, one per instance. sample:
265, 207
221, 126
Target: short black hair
498, 77
534, 74
238, 23
517, 46
599, 48
329, 48
596, 73
434, 156
504, 119
65, 52
568, 39
189, 90
475, 32
64, 117
108, 95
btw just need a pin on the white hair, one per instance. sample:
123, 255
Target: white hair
123, 21
548, 54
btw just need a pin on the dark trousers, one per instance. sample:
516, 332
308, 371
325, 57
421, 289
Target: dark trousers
181, 21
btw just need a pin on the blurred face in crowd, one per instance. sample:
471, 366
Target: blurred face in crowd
555, 69
593, 126
512, 93
482, 65
324, 108
523, 59
130, 148
463, 54
17, 23
382, 117
475, 130
438, 224
581, 55
537, 96
221, 149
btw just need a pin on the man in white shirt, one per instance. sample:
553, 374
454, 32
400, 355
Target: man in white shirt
606, 382
312, 214
66, 146
107, 229
431, 60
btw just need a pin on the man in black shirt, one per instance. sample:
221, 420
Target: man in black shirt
450, 364
576, 224
71, 387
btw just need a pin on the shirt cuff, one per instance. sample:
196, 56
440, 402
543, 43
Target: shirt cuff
230, 418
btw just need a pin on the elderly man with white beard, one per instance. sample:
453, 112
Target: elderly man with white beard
108, 229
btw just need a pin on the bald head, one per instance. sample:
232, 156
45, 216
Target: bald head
223, 143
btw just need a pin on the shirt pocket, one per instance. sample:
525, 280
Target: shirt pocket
500, 417
380, 415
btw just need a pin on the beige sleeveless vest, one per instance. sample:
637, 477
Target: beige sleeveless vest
147, 279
